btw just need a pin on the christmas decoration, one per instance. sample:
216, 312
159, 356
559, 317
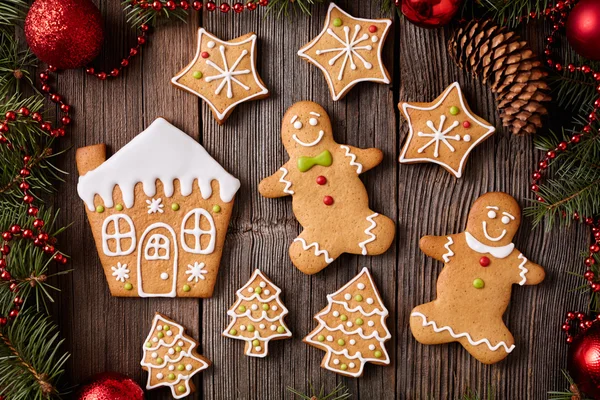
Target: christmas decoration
584, 352
257, 315
110, 386
509, 67
583, 29
340, 392
64, 33
430, 13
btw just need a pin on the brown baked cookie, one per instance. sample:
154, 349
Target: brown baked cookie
159, 209
443, 132
223, 74
474, 288
348, 51
328, 198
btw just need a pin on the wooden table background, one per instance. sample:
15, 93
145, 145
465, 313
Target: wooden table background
105, 333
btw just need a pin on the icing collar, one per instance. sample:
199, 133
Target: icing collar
498, 252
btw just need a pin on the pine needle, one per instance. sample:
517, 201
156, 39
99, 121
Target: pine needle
340, 392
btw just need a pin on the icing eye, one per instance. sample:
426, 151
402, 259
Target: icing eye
505, 220
298, 125
313, 121
492, 214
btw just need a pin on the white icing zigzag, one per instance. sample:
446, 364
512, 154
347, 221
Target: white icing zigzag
463, 334
524, 270
363, 245
287, 183
318, 252
353, 162
450, 253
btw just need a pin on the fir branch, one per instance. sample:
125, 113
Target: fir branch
471, 395
340, 392
15, 64
573, 91
138, 16
569, 394
287, 7
507, 12
12, 11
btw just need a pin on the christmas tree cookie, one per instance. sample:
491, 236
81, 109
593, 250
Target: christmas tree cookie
352, 328
170, 357
473, 290
348, 51
257, 316
223, 74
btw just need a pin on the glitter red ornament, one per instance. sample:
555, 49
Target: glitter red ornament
110, 386
584, 360
64, 33
583, 29
430, 13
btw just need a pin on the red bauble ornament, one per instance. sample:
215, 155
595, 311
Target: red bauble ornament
110, 386
64, 33
584, 360
583, 29
430, 13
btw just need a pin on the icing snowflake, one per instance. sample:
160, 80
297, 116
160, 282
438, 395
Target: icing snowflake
155, 205
349, 49
120, 272
196, 271
439, 135
227, 74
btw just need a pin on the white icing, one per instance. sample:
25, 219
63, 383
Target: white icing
294, 118
463, 334
198, 232
180, 343
262, 326
254, 307
491, 214
287, 183
155, 206
154, 355
524, 270
171, 351
349, 324
251, 290
258, 348
196, 271
161, 152
159, 376
273, 327
371, 347
309, 144
509, 215
505, 220
211, 44
352, 342
498, 252
348, 296
360, 286
351, 365
120, 272
313, 121
369, 301
439, 135
343, 50
164, 276
226, 74
117, 219
352, 156
330, 338
371, 323
467, 138
159, 328
188, 367
142, 264
155, 339
450, 253
336, 313
368, 232
298, 125
169, 333
274, 308
374, 39
156, 243
263, 284
318, 251
171, 367
315, 114
456, 172
487, 235
336, 361
267, 292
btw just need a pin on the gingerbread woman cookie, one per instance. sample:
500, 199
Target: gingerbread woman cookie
474, 288
328, 198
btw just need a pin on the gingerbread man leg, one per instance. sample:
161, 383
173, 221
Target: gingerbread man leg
495, 343
377, 234
309, 254
423, 329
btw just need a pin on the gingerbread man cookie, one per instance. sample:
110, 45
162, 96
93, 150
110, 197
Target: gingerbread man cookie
223, 74
474, 288
328, 198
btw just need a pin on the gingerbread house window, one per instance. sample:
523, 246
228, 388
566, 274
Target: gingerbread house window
192, 232
118, 235
157, 248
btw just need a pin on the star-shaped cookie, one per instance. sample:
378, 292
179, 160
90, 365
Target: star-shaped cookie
348, 51
223, 74
443, 131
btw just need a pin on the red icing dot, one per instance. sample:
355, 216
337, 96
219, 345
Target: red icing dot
205, 54
484, 261
328, 200
321, 180
467, 124
372, 29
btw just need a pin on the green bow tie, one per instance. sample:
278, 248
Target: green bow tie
324, 159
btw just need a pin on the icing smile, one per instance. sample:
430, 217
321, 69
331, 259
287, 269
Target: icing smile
487, 235
301, 143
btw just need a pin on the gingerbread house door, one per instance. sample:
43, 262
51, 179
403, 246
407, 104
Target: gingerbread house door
157, 262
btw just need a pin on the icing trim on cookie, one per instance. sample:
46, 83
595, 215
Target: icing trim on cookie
450, 253
353, 162
363, 245
524, 270
411, 133
311, 144
462, 334
287, 183
161, 152
487, 235
173, 292
498, 252
318, 252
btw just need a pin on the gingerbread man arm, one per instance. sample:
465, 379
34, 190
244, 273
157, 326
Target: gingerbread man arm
438, 247
278, 184
529, 273
362, 159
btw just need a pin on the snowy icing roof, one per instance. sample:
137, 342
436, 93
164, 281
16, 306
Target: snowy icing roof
160, 152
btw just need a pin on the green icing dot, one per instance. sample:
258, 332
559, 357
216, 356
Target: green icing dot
358, 297
321, 338
180, 367
159, 360
343, 317
148, 344
128, 286
100, 209
478, 283
171, 376
255, 343
454, 110
166, 327
343, 367
378, 354
281, 329
217, 208
160, 335
119, 207
242, 308
337, 22
359, 321
186, 288
233, 332
258, 290
265, 307
197, 74
175, 207
178, 348
181, 389
341, 342
250, 328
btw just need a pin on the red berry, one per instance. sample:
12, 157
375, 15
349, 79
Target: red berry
372, 28
24, 111
328, 200
197, 5
13, 287
321, 180
65, 108
204, 54
32, 211
36, 116
65, 120
11, 116
13, 313
238, 7
7, 236
5, 275
589, 275
211, 6
466, 124
224, 7
27, 233
594, 248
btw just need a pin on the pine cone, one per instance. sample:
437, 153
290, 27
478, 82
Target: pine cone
509, 67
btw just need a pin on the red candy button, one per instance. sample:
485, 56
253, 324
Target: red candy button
205, 54
328, 200
321, 180
467, 124
484, 261
372, 29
